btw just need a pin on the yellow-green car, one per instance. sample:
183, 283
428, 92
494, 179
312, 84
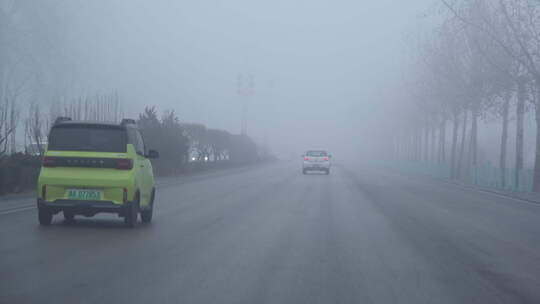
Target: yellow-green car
94, 167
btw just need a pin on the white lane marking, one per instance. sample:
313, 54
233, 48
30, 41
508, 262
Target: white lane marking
14, 210
158, 185
27, 207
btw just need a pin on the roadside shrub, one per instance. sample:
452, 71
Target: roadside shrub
18, 172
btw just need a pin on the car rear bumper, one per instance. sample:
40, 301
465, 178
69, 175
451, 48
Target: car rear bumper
317, 168
320, 166
88, 208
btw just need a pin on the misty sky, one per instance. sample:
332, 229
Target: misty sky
324, 70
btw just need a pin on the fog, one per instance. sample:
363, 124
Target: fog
325, 72
278, 151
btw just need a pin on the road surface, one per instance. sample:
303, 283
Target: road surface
269, 234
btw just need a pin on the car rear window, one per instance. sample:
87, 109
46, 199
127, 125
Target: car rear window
317, 153
88, 138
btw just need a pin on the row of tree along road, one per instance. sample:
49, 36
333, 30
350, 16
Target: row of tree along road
480, 61
183, 147
40, 54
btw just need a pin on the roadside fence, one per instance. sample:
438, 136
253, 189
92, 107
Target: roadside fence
484, 175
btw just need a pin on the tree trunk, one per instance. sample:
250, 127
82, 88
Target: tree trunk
443, 141
504, 139
433, 144
536, 178
473, 147
426, 143
412, 146
417, 145
407, 143
520, 112
463, 142
453, 169
408, 147
13, 126
405, 148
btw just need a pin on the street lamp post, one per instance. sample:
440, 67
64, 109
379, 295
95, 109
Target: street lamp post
245, 89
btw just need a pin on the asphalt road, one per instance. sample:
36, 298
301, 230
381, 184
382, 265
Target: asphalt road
269, 234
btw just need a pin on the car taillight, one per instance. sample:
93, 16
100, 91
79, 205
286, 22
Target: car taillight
124, 164
44, 192
326, 159
306, 158
49, 161
125, 195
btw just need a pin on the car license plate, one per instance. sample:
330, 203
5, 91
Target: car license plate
86, 195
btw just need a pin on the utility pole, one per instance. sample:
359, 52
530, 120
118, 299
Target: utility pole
245, 90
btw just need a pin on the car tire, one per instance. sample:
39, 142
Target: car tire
327, 171
146, 214
45, 216
132, 213
69, 217
304, 171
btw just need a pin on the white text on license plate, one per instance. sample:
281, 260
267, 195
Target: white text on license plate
83, 194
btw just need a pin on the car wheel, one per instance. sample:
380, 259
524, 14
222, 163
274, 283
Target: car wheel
327, 171
45, 216
132, 213
69, 217
304, 171
146, 215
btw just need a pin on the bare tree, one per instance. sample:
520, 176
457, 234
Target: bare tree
35, 127
514, 26
5, 130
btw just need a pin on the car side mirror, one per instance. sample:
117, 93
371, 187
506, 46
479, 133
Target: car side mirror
152, 154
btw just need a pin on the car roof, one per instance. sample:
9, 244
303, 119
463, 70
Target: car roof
94, 123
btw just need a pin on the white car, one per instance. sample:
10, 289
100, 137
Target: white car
316, 160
